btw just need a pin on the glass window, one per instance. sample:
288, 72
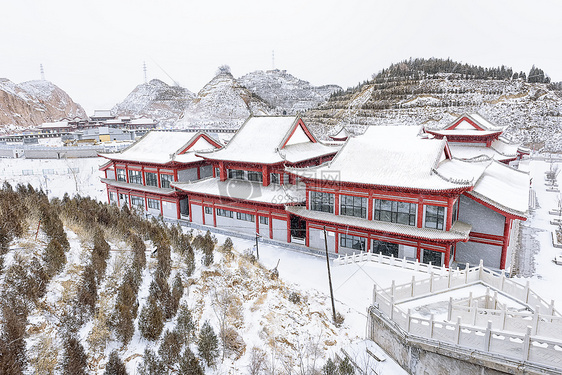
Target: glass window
121, 175
432, 256
255, 176
395, 212
245, 216
264, 220
123, 199
225, 213
237, 174
165, 180
323, 202
135, 177
455, 211
434, 217
208, 210
112, 197
154, 203
353, 206
385, 248
217, 172
137, 201
151, 179
274, 178
352, 242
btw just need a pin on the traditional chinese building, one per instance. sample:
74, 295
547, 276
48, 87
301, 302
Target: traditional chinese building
249, 188
397, 191
141, 176
472, 136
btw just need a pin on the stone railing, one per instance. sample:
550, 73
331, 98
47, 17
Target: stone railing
519, 335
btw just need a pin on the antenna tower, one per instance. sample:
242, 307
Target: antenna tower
42, 72
144, 69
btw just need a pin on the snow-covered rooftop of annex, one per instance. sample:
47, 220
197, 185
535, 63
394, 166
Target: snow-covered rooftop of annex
163, 147
394, 156
271, 140
143, 188
499, 150
459, 231
505, 188
246, 190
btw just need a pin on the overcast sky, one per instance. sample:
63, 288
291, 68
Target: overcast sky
95, 50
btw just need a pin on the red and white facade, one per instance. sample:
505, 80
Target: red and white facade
402, 194
141, 176
249, 188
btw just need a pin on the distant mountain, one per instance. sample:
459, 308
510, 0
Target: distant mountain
434, 92
223, 103
286, 92
32, 103
157, 100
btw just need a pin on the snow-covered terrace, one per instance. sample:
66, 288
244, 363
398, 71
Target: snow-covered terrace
246, 190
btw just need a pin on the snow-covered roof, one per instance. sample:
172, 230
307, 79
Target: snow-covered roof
505, 188
142, 121
341, 134
459, 231
54, 125
271, 140
390, 156
164, 147
143, 188
499, 150
467, 121
246, 190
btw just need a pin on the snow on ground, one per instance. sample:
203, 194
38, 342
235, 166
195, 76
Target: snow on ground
545, 279
57, 176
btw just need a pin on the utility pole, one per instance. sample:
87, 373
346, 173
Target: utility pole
329, 275
257, 249
42, 72
144, 69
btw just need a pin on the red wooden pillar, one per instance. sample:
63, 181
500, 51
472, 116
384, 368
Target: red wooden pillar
257, 217
203, 212
270, 226
306, 239
370, 204
222, 171
307, 197
161, 207
337, 203
447, 255
198, 173
158, 177
214, 215
337, 241
142, 174
449, 221
288, 229
108, 200
265, 175
506, 233
178, 207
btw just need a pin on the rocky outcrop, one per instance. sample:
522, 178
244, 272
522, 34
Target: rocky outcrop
32, 103
223, 103
285, 92
156, 100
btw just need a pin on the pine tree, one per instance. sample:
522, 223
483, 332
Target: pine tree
100, 254
74, 359
115, 365
185, 324
170, 348
177, 293
88, 290
330, 368
151, 320
345, 367
189, 258
208, 344
54, 257
12, 344
189, 364
151, 365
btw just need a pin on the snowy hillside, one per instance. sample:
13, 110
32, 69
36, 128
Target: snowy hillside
157, 100
286, 92
32, 103
532, 112
222, 103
